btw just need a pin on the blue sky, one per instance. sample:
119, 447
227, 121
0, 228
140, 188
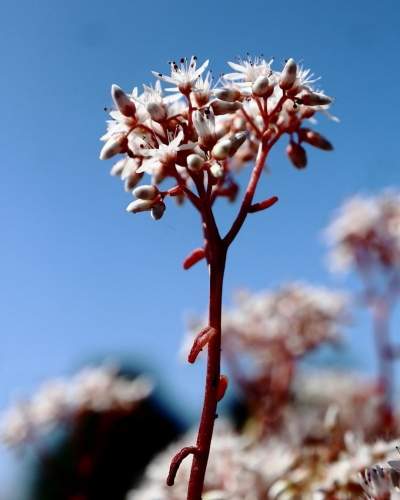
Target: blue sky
81, 278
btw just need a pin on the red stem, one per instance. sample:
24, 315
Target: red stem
251, 188
385, 360
200, 459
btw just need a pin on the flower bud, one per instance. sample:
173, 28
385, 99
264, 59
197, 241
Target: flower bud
228, 95
118, 167
157, 211
315, 139
201, 97
288, 75
297, 155
195, 162
228, 147
306, 112
236, 141
146, 192
113, 146
157, 111
132, 180
217, 170
261, 87
139, 206
222, 149
238, 123
122, 101
314, 99
204, 123
223, 107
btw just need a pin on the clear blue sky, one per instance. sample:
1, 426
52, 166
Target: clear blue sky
79, 276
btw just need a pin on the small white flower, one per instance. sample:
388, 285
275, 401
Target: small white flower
183, 76
202, 90
248, 70
164, 154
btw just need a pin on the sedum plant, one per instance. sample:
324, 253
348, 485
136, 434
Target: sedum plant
196, 136
364, 236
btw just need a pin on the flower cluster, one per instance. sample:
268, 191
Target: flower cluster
366, 233
347, 401
96, 389
239, 469
201, 130
295, 319
283, 467
266, 334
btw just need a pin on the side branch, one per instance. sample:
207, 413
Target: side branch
251, 188
176, 462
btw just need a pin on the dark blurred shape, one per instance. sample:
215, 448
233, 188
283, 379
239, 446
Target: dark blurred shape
105, 453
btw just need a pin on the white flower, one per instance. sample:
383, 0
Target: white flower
157, 105
248, 70
165, 154
184, 76
204, 123
202, 90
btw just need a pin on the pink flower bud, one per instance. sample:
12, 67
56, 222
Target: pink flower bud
314, 99
228, 95
115, 144
297, 155
315, 139
146, 192
222, 149
139, 206
306, 112
288, 75
157, 211
122, 101
157, 111
261, 87
223, 107
195, 162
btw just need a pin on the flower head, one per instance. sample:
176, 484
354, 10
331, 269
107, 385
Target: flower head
183, 75
248, 70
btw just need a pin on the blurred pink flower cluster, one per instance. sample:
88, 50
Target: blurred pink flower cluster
94, 389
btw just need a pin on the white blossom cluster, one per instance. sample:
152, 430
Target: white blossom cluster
297, 318
347, 399
200, 129
96, 389
238, 470
279, 468
366, 233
